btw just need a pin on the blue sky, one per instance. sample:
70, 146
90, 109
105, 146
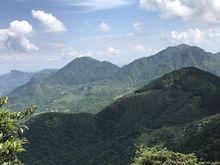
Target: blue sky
50, 33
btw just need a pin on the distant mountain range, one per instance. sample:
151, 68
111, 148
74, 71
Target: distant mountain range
13, 80
88, 85
179, 111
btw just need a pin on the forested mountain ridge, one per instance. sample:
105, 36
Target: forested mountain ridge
179, 111
82, 71
86, 84
146, 69
74, 87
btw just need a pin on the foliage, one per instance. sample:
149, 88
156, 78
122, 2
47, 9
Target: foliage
189, 79
153, 156
11, 128
88, 85
200, 137
167, 116
77, 87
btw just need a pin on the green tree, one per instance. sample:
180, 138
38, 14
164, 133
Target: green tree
11, 128
154, 156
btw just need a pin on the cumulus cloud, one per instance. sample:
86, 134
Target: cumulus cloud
113, 51
69, 53
100, 4
3, 37
50, 22
139, 48
104, 27
16, 36
138, 27
190, 36
167, 8
206, 11
195, 36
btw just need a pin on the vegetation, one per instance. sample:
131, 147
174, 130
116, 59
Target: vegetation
200, 137
75, 88
11, 128
184, 120
88, 85
154, 156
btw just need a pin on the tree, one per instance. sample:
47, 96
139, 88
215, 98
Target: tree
11, 128
154, 156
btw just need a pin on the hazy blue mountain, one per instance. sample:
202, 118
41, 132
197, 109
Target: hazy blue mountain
86, 84
218, 53
12, 80
179, 111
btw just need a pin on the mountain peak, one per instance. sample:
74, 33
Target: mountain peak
84, 70
16, 71
183, 47
85, 58
188, 78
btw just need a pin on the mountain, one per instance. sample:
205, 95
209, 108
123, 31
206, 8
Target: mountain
217, 54
179, 111
41, 75
72, 88
84, 70
12, 80
86, 84
146, 69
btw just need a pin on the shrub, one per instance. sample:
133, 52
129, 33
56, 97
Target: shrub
11, 128
154, 156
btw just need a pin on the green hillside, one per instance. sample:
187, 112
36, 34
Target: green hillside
72, 88
179, 111
146, 69
88, 85
82, 71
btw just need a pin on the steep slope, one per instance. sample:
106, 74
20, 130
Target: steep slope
41, 75
86, 84
173, 111
14, 79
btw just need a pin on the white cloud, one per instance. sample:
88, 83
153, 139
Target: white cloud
69, 53
3, 37
138, 27
194, 36
100, 4
16, 36
129, 34
50, 22
104, 27
139, 48
213, 33
113, 51
203, 38
202, 11
167, 8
